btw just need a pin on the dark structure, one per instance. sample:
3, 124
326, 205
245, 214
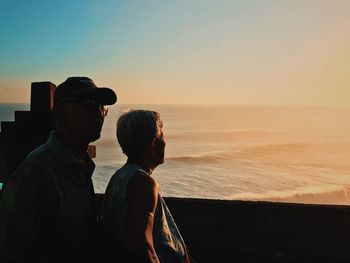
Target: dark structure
216, 231
30, 129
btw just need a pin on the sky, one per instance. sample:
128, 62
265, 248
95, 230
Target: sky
250, 52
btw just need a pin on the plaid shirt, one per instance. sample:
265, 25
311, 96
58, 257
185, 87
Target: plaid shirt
47, 211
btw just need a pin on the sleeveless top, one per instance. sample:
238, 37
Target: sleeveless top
167, 240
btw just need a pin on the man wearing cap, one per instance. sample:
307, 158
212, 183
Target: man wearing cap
47, 212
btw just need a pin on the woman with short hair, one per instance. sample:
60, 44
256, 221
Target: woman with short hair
134, 211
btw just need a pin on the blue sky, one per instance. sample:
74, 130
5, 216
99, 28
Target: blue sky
205, 52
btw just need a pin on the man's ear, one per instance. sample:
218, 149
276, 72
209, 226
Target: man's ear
154, 141
57, 113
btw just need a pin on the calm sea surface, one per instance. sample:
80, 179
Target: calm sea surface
288, 154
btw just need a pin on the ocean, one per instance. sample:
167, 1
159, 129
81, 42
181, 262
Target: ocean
294, 154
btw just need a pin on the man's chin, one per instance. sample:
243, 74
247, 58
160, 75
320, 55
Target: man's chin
93, 137
159, 162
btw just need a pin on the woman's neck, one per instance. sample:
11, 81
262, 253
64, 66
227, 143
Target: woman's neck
143, 162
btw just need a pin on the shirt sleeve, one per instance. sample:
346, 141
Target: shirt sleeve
23, 206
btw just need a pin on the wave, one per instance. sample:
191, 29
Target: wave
206, 158
324, 194
226, 134
246, 153
280, 148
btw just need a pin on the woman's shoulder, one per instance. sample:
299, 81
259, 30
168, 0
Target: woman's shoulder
142, 191
142, 181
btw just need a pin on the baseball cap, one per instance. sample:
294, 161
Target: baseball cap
84, 87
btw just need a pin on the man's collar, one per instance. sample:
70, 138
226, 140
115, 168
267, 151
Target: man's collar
61, 152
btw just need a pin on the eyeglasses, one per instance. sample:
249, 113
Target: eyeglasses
88, 103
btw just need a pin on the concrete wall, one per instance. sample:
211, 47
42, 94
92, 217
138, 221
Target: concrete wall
263, 231
244, 231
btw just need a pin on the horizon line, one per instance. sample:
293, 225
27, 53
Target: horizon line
208, 105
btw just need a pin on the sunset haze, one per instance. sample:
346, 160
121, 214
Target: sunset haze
181, 52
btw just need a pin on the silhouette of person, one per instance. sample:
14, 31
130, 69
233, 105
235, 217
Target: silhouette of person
48, 209
134, 212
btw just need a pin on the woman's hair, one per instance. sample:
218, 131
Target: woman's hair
136, 129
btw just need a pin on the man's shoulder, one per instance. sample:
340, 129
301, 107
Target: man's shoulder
31, 175
38, 155
36, 160
39, 150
